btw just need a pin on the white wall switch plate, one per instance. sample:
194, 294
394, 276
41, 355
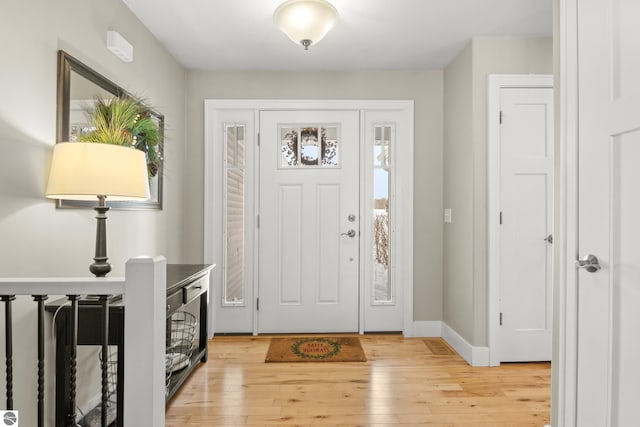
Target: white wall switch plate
447, 215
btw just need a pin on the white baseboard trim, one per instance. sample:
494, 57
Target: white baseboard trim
426, 328
474, 355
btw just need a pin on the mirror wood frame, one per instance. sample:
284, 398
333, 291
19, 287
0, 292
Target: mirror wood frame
68, 64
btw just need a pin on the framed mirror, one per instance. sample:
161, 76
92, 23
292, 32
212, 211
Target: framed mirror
79, 87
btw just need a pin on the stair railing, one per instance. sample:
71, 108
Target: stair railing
144, 293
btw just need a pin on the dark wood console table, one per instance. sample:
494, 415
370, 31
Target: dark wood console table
187, 286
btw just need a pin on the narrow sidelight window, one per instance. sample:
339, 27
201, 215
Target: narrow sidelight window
382, 173
234, 292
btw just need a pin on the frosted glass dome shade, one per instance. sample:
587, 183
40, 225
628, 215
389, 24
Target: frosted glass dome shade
305, 21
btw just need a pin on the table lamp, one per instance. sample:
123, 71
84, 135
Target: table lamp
90, 171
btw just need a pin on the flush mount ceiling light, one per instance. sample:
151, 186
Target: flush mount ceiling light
305, 21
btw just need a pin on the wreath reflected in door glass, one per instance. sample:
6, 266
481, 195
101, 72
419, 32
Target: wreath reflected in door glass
309, 146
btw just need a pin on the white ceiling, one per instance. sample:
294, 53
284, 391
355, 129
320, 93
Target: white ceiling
370, 34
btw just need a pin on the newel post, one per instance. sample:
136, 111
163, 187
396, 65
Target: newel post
144, 342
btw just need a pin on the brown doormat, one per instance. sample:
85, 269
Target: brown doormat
438, 346
315, 349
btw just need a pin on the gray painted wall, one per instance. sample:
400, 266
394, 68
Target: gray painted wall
458, 193
465, 182
35, 238
424, 87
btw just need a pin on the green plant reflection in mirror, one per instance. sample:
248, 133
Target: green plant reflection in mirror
79, 88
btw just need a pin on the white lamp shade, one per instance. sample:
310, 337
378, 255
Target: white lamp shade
85, 170
305, 19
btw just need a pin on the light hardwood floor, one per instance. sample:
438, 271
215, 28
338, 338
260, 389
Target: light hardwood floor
402, 383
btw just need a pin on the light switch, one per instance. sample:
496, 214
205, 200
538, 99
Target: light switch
447, 215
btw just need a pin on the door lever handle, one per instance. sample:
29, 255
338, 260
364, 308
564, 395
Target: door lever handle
589, 263
549, 239
350, 233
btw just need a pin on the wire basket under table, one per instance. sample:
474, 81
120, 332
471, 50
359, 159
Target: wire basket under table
181, 333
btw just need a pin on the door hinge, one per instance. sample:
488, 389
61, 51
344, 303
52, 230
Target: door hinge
258, 139
257, 304
500, 318
500, 217
258, 221
500, 116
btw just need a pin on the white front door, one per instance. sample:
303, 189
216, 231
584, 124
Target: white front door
309, 221
526, 223
608, 372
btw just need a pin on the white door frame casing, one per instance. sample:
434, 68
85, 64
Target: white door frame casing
565, 347
496, 82
403, 202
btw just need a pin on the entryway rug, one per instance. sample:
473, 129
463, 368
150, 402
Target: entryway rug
438, 346
315, 349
